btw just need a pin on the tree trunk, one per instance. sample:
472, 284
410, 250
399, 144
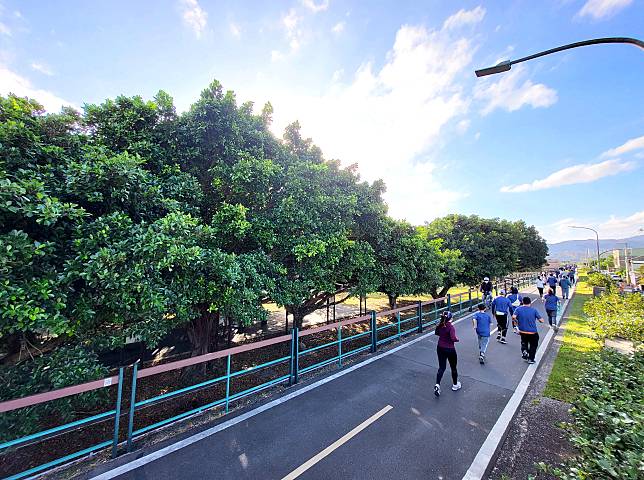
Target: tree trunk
200, 331
443, 291
392, 300
298, 319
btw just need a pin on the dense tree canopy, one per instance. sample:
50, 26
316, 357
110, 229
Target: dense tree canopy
128, 220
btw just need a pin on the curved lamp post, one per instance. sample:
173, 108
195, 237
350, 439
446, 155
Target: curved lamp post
507, 64
596, 236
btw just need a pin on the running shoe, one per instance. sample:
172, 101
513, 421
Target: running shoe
481, 359
524, 355
437, 390
531, 362
456, 386
503, 340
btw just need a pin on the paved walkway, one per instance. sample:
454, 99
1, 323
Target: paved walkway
379, 421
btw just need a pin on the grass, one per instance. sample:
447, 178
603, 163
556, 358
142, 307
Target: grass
578, 344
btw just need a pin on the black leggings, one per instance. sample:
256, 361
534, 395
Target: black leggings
502, 323
445, 354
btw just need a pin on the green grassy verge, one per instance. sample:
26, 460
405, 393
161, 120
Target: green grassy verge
578, 345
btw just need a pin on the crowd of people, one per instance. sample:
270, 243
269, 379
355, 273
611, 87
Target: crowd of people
508, 309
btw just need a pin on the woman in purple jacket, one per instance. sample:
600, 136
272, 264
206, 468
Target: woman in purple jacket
446, 352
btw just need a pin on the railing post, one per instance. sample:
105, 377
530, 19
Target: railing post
435, 310
398, 321
374, 332
340, 346
420, 316
449, 302
469, 299
227, 381
130, 423
296, 354
117, 415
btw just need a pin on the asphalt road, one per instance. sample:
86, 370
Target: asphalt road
420, 437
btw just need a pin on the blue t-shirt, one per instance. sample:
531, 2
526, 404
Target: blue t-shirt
551, 302
483, 322
527, 318
564, 282
552, 281
501, 304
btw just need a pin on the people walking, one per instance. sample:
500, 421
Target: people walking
446, 352
486, 290
482, 323
540, 285
502, 310
525, 317
552, 282
515, 301
551, 301
564, 283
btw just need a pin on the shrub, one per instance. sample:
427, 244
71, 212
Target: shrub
600, 280
614, 315
608, 431
63, 367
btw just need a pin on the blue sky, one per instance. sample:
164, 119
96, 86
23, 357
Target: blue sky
388, 85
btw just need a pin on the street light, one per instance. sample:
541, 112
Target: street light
507, 64
596, 235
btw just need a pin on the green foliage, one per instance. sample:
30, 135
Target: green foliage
600, 280
64, 366
608, 430
613, 315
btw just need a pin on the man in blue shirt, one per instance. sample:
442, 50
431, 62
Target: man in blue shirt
525, 318
552, 282
564, 283
481, 323
502, 309
551, 301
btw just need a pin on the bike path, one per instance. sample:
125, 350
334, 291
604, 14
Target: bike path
420, 437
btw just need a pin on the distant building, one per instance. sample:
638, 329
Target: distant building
635, 257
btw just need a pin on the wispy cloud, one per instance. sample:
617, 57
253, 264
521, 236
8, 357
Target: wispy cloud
464, 17
338, 28
42, 68
614, 226
631, 145
600, 9
510, 94
582, 173
235, 30
316, 7
11, 82
194, 16
4, 30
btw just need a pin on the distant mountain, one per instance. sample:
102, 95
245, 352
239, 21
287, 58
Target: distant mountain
577, 249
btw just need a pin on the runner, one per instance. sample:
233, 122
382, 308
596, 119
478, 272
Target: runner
482, 323
525, 317
564, 283
446, 352
552, 282
515, 301
486, 289
551, 301
502, 309
540, 286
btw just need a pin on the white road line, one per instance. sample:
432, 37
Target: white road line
335, 445
486, 452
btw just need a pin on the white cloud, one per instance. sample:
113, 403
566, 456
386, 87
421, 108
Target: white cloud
11, 82
338, 28
276, 55
599, 9
631, 145
464, 17
509, 94
337, 75
316, 7
235, 30
463, 125
612, 227
291, 24
194, 16
4, 30
477, 135
388, 119
582, 173
42, 68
